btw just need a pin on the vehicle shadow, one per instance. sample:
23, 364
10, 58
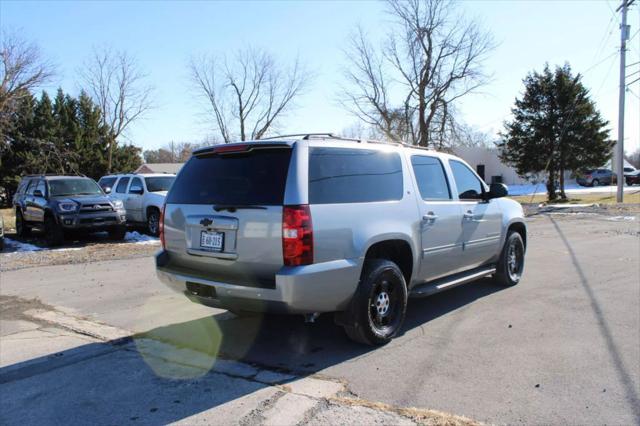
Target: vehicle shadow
169, 373
288, 343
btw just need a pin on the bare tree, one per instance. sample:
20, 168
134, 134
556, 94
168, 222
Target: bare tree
23, 69
247, 94
118, 86
409, 86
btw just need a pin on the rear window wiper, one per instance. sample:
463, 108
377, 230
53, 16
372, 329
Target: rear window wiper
232, 208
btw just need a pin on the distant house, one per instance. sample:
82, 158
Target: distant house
488, 165
169, 168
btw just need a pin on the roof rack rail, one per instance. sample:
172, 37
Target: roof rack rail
305, 136
54, 174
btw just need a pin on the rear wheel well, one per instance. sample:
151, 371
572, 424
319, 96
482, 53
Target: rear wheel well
397, 251
520, 229
150, 209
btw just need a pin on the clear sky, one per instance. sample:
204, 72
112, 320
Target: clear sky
163, 36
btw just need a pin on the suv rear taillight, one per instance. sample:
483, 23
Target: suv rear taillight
161, 227
297, 236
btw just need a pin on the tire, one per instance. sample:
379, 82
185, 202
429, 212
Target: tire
22, 230
118, 233
1, 243
595, 182
153, 222
53, 233
511, 263
378, 308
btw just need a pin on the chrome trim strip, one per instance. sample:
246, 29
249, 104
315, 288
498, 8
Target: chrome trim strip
440, 248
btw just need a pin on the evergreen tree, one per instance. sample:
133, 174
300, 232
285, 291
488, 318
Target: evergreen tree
63, 136
555, 128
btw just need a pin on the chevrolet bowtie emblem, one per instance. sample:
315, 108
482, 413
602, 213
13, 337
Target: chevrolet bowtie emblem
206, 221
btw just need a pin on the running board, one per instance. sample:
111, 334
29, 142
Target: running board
442, 284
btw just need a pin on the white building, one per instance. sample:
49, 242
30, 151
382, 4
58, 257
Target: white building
488, 165
171, 168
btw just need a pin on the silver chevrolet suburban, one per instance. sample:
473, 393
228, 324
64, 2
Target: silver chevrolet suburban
315, 223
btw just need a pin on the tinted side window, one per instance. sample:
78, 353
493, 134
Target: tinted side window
42, 187
23, 186
431, 178
136, 182
342, 175
31, 187
107, 182
469, 186
122, 185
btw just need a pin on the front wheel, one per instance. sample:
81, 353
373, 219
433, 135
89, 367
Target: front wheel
117, 234
511, 263
22, 230
153, 222
53, 233
595, 182
378, 308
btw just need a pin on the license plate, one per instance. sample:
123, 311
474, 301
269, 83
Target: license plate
211, 240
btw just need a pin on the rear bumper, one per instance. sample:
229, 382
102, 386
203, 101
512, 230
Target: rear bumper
321, 287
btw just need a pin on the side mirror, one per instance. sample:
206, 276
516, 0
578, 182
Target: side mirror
497, 190
136, 190
107, 189
38, 193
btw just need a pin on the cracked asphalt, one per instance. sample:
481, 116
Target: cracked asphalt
561, 347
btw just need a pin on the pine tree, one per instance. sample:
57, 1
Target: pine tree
64, 136
555, 128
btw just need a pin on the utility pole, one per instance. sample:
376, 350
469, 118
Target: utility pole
624, 35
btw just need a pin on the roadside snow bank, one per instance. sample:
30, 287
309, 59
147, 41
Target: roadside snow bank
17, 246
138, 238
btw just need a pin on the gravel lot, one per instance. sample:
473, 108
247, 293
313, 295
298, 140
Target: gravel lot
561, 347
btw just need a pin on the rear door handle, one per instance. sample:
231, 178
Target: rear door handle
430, 217
469, 215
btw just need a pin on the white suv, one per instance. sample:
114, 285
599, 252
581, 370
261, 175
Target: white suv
142, 194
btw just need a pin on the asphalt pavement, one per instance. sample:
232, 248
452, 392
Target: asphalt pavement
561, 347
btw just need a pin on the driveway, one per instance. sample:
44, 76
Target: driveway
561, 347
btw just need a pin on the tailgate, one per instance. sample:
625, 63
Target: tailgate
223, 217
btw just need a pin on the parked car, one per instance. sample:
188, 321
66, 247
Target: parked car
632, 178
1, 233
310, 225
142, 194
57, 205
597, 177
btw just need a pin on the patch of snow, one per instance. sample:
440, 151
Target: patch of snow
569, 206
138, 238
622, 218
570, 187
17, 246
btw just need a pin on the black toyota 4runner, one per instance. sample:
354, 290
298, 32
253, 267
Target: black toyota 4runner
56, 205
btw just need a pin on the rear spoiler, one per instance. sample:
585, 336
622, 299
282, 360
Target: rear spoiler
237, 148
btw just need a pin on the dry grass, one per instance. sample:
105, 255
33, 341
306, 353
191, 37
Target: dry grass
418, 415
9, 219
597, 198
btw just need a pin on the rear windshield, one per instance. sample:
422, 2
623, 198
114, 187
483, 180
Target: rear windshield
342, 175
159, 184
254, 178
